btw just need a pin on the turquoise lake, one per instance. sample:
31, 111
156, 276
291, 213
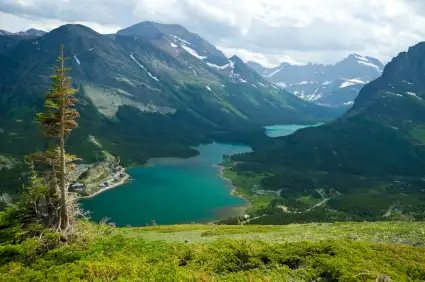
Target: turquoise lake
173, 191
283, 130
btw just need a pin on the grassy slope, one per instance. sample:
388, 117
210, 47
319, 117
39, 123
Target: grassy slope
327, 252
411, 233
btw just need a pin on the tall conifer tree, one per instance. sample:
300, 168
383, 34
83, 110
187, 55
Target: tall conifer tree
57, 121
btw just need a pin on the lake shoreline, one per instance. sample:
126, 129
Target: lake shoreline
122, 182
233, 192
158, 180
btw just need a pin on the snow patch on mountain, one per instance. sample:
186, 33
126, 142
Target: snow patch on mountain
370, 65
229, 65
76, 59
193, 52
176, 38
233, 74
281, 84
361, 58
365, 61
173, 45
153, 77
315, 95
353, 81
413, 94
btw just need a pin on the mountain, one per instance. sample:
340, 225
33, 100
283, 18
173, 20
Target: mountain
386, 115
370, 162
31, 32
331, 85
8, 42
4, 32
177, 35
150, 90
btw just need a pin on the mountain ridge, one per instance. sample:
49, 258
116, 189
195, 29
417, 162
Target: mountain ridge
131, 78
331, 85
30, 32
369, 163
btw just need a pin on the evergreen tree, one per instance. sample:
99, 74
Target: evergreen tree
57, 121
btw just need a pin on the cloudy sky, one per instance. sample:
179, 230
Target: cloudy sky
266, 31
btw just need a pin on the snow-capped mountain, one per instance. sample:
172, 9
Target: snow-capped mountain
177, 37
332, 85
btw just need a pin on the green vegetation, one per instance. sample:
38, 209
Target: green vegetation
57, 122
132, 115
326, 252
410, 233
283, 195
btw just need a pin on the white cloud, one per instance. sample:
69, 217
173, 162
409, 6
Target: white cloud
266, 31
15, 23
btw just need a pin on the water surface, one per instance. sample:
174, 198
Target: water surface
283, 130
172, 191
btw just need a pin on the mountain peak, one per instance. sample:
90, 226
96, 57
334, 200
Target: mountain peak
236, 59
332, 85
32, 32
408, 66
152, 29
71, 30
363, 63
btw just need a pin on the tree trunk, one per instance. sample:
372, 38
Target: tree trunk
64, 221
63, 187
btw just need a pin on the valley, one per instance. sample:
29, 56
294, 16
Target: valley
150, 153
174, 191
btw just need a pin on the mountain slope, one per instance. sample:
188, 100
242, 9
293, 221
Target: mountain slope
148, 87
4, 32
386, 120
368, 164
333, 85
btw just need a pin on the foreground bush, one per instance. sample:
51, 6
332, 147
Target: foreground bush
104, 253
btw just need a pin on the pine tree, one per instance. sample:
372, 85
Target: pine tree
57, 121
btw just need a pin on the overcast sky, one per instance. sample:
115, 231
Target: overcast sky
266, 31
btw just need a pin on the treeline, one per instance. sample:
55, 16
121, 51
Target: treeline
354, 145
350, 197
